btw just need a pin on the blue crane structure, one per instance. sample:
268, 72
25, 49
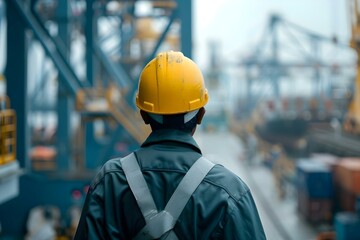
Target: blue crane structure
113, 60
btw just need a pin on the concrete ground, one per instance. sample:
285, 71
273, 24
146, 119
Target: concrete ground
279, 216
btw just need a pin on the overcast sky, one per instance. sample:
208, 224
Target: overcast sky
238, 24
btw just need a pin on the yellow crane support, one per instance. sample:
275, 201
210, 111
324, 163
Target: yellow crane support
111, 101
352, 120
126, 116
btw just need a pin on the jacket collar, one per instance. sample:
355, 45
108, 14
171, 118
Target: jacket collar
170, 135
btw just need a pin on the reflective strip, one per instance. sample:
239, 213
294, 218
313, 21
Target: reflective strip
138, 185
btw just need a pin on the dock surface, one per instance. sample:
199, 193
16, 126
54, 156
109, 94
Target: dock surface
279, 216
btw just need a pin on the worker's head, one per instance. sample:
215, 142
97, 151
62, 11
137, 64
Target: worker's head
171, 92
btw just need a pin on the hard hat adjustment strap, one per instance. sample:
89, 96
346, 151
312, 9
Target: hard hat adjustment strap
187, 116
161, 224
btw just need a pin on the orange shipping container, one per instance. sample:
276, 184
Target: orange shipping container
326, 236
344, 200
347, 174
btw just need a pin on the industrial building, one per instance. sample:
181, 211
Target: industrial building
285, 117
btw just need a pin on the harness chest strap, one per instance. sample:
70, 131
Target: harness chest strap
159, 223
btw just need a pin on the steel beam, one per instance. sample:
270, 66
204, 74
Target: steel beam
117, 72
65, 101
16, 75
72, 82
89, 36
185, 16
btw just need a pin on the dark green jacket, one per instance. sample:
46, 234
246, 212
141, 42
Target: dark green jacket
222, 207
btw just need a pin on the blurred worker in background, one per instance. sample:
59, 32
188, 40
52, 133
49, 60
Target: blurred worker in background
166, 189
251, 150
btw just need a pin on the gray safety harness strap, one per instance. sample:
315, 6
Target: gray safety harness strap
187, 186
159, 223
138, 185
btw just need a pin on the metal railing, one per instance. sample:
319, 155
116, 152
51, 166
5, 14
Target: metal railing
7, 132
111, 101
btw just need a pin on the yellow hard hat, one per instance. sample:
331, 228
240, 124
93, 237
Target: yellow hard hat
171, 84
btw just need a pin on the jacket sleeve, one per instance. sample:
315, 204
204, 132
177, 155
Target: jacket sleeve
103, 215
243, 221
91, 224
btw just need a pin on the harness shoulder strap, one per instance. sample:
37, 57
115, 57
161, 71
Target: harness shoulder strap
160, 224
138, 185
165, 221
187, 186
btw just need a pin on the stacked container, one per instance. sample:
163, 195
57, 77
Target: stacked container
347, 226
347, 179
315, 190
348, 174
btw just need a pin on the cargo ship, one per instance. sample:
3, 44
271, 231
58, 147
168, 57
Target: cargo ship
290, 123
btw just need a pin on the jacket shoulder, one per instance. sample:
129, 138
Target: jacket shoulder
110, 166
228, 181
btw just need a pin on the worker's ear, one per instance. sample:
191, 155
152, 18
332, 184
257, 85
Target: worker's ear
145, 117
200, 115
